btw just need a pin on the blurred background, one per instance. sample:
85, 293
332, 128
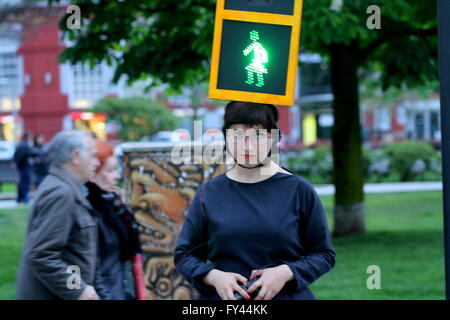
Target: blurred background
365, 126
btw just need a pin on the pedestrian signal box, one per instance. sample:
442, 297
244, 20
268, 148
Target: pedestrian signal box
255, 51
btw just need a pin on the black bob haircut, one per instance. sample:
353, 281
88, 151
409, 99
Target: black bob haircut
250, 113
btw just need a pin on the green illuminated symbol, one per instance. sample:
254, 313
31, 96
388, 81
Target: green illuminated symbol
260, 58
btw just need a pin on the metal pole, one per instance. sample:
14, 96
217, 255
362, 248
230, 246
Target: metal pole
444, 78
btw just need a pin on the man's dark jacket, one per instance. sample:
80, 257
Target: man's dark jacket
22, 155
61, 237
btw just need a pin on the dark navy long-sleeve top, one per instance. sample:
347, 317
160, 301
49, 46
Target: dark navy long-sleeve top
238, 227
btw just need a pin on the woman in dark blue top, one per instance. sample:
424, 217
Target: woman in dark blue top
255, 222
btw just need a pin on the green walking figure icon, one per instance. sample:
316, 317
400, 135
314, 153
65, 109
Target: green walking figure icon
260, 58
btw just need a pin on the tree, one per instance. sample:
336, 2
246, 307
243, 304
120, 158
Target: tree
168, 40
171, 41
137, 117
404, 50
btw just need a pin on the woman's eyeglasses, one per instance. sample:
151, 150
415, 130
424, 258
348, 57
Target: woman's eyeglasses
254, 135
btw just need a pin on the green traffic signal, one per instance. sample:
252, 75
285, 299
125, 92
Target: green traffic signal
254, 57
260, 58
255, 51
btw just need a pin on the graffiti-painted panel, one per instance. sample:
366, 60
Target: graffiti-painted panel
159, 193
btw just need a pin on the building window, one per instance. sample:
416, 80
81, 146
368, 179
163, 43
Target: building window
87, 85
435, 133
9, 82
420, 125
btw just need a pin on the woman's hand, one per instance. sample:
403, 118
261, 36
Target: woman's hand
271, 281
226, 283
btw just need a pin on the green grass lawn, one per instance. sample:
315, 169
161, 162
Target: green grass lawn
405, 239
8, 187
12, 234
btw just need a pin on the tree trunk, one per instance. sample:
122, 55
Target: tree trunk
347, 150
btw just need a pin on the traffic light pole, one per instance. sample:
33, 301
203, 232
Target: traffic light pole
444, 78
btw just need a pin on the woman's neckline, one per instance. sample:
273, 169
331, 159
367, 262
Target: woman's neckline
250, 183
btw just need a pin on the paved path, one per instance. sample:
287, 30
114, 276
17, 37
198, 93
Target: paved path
12, 204
7, 202
387, 187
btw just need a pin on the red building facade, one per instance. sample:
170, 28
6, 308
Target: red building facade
43, 105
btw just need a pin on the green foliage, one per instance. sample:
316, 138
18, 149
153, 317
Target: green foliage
314, 164
410, 158
171, 39
137, 117
403, 161
376, 165
404, 49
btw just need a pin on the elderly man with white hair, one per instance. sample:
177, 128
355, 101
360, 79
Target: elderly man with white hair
60, 252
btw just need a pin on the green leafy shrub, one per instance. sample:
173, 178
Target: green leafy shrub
314, 164
410, 159
375, 165
138, 117
403, 161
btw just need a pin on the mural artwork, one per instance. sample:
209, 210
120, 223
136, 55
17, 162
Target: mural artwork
159, 194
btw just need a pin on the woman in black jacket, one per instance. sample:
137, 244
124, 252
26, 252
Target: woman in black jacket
117, 230
256, 231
